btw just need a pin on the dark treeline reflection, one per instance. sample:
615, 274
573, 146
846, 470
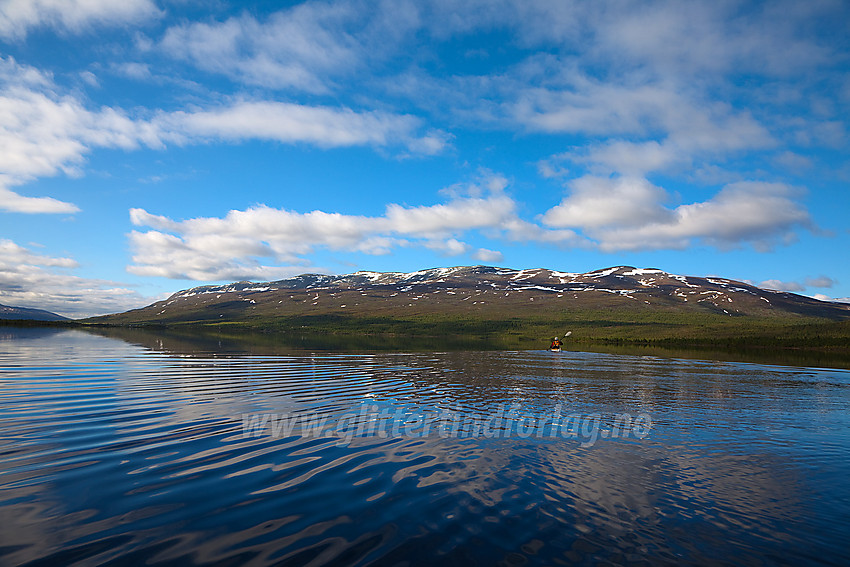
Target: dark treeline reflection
204, 341
121, 454
199, 341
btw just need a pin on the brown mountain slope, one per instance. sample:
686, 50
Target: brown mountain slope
482, 293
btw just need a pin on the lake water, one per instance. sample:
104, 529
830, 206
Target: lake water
131, 453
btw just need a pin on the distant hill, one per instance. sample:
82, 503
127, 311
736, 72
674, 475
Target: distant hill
623, 300
18, 313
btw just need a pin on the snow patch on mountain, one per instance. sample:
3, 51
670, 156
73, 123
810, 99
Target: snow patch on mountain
443, 289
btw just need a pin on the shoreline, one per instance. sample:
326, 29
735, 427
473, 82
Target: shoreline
831, 351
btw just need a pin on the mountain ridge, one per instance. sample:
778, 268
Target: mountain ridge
28, 314
476, 291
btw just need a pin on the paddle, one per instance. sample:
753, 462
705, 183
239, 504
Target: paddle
567, 334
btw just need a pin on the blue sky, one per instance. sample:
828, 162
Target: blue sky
147, 146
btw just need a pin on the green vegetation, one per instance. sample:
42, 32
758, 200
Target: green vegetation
796, 340
674, 329
481, 309
37, 323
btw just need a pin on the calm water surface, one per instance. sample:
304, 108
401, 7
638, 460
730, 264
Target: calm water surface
120, 454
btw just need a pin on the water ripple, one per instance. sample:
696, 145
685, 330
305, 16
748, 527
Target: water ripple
114, 454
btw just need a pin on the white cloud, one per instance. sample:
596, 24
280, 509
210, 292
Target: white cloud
45, 133
792, 161
629, 158
458, 214
323, 41
589, 73
266, 243
11, 253
488, 256
134, 70
642, 105
659, 112
713, 37
679, 116
329, 40
709, 37
596, 202
13, 202
614, 85
294, 123
820, 281
628, 214
779, 285
37, 281
450, 247
18, 17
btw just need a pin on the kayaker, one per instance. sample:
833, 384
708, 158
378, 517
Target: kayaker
556, 343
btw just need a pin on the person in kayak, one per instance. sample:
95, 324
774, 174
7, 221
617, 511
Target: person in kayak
556, 343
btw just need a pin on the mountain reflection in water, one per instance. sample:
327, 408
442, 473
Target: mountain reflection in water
117, 452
